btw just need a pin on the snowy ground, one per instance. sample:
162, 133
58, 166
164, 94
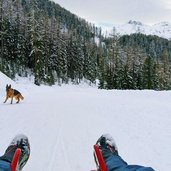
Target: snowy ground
63, 123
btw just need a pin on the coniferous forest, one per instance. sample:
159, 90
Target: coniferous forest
40, 38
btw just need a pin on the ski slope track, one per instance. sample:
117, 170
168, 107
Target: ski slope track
63, 123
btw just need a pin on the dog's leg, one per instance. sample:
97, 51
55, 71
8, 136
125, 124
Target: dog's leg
18, 99
11, 100
6, 99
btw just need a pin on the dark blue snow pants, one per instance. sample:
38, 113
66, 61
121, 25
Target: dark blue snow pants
116, 163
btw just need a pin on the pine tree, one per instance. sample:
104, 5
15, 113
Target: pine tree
1, 35
36, 44
149, 73
165, 72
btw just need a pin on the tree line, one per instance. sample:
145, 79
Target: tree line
40, 38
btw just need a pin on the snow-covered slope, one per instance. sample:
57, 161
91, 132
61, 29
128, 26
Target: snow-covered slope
162, 29
64, 122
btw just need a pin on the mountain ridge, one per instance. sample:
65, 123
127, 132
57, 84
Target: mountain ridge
162, 29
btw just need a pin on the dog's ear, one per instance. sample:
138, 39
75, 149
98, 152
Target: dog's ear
9, 86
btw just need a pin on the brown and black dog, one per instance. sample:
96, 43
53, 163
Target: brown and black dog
12, 93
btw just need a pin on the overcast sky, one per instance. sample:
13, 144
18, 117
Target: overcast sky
104, 12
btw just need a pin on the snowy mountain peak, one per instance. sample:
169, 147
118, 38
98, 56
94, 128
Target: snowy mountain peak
162, 29
135, 22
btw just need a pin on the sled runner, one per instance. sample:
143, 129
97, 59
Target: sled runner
100, 163
15, 159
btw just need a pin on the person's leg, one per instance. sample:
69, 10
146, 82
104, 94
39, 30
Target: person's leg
111, 156
138, 168
115, 162
4, 165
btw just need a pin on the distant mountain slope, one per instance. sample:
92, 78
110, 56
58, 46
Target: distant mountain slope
162, 29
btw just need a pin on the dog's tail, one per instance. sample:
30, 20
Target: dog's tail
22, 98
